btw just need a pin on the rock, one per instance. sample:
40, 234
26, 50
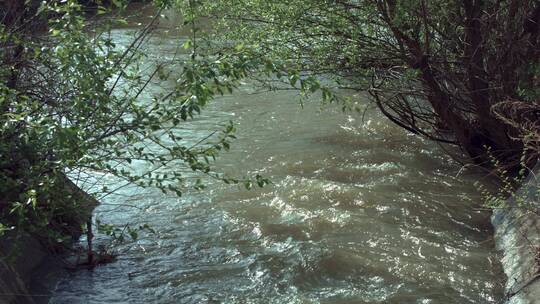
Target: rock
25, 264
517, 236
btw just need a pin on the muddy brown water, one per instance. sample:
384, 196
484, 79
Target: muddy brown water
359, 212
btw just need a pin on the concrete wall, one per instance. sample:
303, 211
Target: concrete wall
517, 237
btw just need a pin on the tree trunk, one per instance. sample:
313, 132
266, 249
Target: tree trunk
89, 239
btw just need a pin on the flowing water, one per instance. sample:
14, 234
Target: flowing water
359, 212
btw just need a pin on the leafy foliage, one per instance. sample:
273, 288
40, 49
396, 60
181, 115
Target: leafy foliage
435, 68
73, 101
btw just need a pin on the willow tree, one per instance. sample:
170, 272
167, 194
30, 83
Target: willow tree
436, 68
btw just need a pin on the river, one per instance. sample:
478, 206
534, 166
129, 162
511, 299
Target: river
358, 211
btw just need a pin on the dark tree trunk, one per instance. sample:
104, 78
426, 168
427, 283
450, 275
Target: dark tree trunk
89, 239
478, 131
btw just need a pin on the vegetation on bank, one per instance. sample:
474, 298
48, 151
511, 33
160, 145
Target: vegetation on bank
74, 102
460, 72
465, 73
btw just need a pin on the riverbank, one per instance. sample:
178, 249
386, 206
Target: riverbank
26, 264
517, 236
